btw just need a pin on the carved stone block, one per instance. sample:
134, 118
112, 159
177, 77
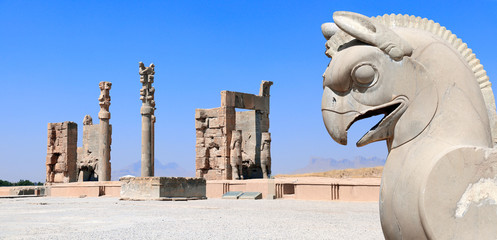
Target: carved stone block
214, 128
61, 152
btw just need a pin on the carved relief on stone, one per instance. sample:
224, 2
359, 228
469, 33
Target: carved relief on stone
215, 136
87, 120
147, 78
236, 154
104, 100
266, 154
88, 161
61, 152
88, 156
264, 89
440, 177
148, 119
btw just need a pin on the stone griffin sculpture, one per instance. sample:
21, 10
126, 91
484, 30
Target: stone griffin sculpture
236, 154
440, 177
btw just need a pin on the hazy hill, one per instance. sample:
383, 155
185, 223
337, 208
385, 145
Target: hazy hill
170, 169
373, 172
326, 164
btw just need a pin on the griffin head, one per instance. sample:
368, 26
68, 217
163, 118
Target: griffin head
373, 73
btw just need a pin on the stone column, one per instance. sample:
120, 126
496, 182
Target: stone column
104, 116
147, 112
152, 143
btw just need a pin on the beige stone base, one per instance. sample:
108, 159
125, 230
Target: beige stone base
84, 189
174, 199
162, 188
306, 188
22, 191
5, 191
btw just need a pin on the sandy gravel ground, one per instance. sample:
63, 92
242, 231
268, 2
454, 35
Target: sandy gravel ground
109, 218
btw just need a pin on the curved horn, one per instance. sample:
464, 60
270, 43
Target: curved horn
328, 29
374, 33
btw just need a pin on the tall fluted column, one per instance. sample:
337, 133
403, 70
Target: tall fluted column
147, 112
104, 116
152, 143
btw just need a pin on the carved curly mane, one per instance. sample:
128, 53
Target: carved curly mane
424, 24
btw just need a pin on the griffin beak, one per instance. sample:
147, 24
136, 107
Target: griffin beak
337, 124
340, 112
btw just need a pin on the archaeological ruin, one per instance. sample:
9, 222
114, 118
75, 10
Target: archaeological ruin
148, 119
223, 131
61, 152
91, 162
94, 155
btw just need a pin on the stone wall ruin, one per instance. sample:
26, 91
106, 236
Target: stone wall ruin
61, 152
214, 129
89, 154
68, 163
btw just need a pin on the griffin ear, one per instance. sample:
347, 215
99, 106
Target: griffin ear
369, 31
328, 29
357, 25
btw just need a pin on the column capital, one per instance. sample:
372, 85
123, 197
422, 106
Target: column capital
147, 91
104, 100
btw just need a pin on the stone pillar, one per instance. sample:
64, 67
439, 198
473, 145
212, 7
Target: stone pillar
104, 116
152, 143
147, 112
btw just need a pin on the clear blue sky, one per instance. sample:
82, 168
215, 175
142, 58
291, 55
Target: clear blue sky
53, 54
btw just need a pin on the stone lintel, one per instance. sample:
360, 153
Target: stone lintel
244, 101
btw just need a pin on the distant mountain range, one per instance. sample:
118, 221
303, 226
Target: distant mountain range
170, 169
327, 164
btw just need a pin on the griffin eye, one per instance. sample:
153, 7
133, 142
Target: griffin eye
365, 75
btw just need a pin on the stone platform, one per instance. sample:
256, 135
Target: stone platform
22, 191
84, 189
162, 188
302, 188
181, 189
74, 189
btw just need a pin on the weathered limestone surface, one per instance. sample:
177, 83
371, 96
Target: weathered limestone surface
104, 169
440, 177
142, 188
266, 154
82, 189
148, 118
26, 190
89, 154
62, 152
236, 154
214, 129
212, 146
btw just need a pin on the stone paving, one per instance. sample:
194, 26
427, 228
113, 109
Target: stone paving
110, 218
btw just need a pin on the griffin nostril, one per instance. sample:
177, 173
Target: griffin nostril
334, 101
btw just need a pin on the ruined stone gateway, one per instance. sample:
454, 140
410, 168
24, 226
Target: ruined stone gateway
214, 129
